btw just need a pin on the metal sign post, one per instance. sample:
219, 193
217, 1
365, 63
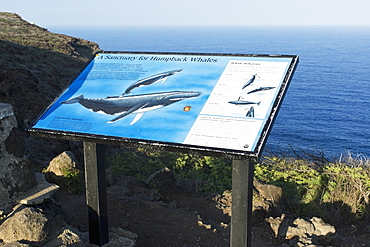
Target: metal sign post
96, 193
242, 195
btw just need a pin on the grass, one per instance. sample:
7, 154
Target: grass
336, 191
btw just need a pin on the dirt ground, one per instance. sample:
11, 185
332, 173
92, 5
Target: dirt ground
168, 216
164, 217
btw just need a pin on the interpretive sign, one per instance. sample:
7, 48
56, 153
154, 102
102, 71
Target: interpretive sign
218, 103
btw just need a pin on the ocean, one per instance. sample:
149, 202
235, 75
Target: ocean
327, 106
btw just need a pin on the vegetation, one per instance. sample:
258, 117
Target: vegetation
336, 191
210, 173
73, 180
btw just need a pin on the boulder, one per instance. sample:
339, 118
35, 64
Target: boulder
61, 163
41, 225
29, 224
14, 167
39, 194
303, 232
269, 192
67, 236
61, 167
15, 143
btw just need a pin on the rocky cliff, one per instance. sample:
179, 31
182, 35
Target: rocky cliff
35, 65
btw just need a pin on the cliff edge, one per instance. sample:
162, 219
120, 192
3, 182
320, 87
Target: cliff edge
35, 65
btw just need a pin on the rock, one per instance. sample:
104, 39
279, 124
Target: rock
28, 224
164, 180
159, 176
324, 233
15, 143
60, 166
40, 225
276, 225
302, 232
117, 240
124, 233
16, 244
6, 110
68, 237
269, 192
322, 228
63, 161
224, 202
42, 192
14, 168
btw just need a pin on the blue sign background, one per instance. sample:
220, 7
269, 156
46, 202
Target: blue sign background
110, 74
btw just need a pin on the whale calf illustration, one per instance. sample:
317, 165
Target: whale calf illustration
151, 80
240, 101
260, 89
136, 104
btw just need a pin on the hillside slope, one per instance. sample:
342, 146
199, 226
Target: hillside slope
35, 65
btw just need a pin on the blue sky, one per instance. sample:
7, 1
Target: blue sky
48, 13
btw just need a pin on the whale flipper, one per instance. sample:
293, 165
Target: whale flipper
130, 111
137, 118
163, 80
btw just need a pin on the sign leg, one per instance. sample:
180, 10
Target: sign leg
96, 193
242, 195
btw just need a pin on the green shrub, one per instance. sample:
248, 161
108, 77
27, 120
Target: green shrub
73, 180
338, 191
213, 174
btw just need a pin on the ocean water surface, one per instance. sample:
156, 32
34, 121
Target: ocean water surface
327, 106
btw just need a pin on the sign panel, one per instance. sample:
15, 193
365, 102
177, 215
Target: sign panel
223, 103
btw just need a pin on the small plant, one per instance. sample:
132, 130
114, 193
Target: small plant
73, 180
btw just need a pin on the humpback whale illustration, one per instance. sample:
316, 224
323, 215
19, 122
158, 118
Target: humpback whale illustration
136, 104
250, 81
260, 89
151, 80
243, 102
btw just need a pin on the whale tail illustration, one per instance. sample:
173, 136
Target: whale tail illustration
73, 100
